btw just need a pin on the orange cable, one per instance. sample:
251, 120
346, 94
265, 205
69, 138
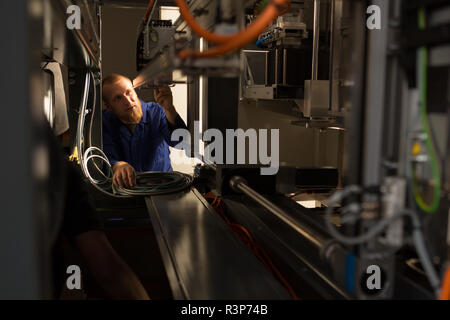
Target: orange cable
202, 32
445, 291
244, 230
232, 42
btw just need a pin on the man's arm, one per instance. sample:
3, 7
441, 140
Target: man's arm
170, 120
124, 174
110, 147
163, 97
111, 272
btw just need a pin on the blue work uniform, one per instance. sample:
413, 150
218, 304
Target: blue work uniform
147, 148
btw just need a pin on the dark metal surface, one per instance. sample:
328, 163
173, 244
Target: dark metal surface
316, 239
354, 42
296, 258
27, 221
202, 257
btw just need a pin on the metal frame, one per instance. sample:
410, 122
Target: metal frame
25, 250
203, 258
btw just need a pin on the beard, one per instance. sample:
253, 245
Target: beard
134, 116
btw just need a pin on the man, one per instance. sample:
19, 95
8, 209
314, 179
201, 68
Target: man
136, 134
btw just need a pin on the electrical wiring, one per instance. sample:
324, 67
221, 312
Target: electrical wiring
229, 43
261, 6
260, 41
423, 57
418, 239
92, 110
147, 183
88, 156
104, 186
153, 34
94, 105
199, 30
156, 183
83, 157
374, 231
81, 119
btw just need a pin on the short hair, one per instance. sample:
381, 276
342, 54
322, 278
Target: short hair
111, 79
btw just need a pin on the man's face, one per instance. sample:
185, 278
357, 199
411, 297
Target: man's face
123, 101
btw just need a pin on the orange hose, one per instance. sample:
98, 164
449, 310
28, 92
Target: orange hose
198, 29
244, 230
445, 291
233, 42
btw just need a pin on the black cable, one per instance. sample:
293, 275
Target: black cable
156, 183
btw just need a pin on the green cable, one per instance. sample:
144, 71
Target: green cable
153, 31
423, 56
262, 5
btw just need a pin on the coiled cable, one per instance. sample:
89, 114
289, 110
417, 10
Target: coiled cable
156, 183
147, 183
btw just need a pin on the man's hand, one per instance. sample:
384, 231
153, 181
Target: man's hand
163, 97
124, 175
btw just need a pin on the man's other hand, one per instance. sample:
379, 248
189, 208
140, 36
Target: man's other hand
124, 175
163, 97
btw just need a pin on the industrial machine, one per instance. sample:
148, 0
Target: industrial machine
358, 206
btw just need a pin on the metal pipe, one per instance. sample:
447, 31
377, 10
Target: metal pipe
331, 64
81, 116
91, 21
316, 36
239, 184
151, 13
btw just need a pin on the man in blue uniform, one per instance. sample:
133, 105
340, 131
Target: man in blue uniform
137, 134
